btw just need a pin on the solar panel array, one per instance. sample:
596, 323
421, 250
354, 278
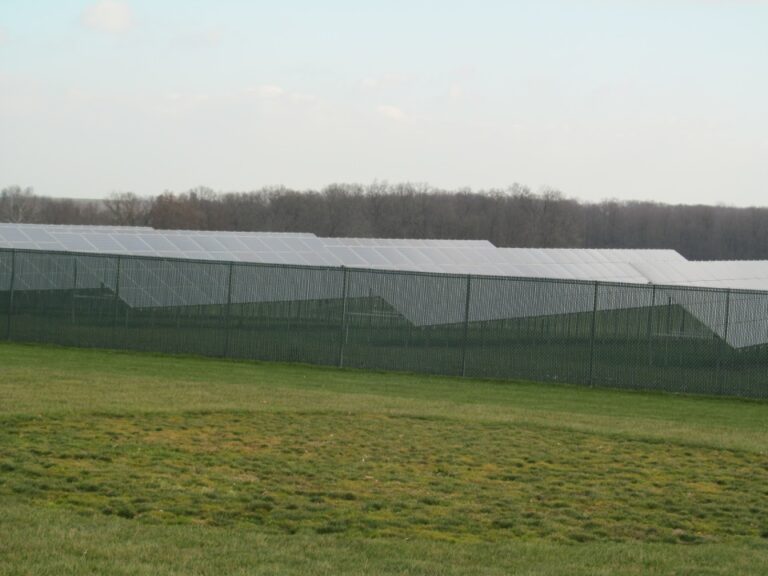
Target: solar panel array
477, 257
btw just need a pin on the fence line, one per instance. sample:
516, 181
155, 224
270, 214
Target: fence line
678, 339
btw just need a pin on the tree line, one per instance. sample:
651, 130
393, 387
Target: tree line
514, 216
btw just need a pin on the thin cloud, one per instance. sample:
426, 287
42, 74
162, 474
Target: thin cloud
391, 112
180, 97
278, 93
267, 91
108, 16
301, 98
384, 81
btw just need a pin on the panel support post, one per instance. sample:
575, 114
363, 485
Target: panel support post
343, 327
116, 303
592, 337
465, 339
720, 371
227, 310
10, 295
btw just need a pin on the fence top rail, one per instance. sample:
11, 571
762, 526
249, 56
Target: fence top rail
529, 279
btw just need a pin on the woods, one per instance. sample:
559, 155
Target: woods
515, 216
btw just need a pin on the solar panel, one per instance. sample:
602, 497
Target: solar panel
296, 248
738, 274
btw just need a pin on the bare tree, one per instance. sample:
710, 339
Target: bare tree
17, 204
128, 209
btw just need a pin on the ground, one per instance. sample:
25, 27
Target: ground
126, 463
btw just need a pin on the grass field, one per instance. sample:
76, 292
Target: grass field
124, 463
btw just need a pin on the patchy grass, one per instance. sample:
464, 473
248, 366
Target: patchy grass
107, 457
376, 475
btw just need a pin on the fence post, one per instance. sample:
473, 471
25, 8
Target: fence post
227, 311
116, 303
74, 286
720, 372
342, 330
650, 325
592, 336
10, 295
466, 327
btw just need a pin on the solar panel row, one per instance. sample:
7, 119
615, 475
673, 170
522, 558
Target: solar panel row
145, 284
478, 257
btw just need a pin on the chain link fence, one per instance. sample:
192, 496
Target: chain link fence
676, 339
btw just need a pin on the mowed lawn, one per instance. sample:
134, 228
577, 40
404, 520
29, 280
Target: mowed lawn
122, 463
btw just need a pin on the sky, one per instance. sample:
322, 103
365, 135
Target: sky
662, 100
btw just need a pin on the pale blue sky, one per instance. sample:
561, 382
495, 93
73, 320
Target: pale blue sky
629, 99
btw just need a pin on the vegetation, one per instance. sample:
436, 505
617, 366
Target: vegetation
510, 217
125, 463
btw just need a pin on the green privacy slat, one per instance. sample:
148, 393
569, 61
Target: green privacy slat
638, 336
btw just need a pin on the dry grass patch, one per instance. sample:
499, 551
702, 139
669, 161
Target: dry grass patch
377, 475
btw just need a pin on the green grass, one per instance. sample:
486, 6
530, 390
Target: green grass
125, 463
